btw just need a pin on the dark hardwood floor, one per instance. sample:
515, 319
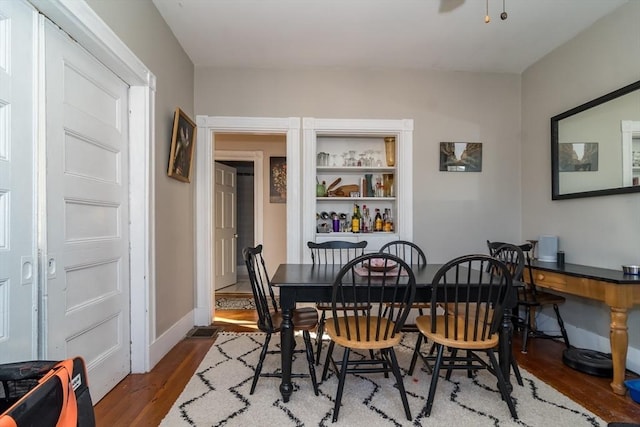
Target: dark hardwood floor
144, 399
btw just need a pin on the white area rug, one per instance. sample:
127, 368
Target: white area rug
218, 395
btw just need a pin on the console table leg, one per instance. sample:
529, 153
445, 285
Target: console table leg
619, 342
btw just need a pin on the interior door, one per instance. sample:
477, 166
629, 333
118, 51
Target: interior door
87, 212
226, 236
18, 271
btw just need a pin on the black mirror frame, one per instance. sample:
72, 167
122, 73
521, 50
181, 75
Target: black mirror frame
555, 174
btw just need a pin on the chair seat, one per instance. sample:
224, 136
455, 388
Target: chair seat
363, 343
424, 325
473, 310
304, 319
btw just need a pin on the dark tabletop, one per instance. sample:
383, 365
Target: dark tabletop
322, 275
576, 270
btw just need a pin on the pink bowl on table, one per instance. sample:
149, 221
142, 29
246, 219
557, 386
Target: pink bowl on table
380, 264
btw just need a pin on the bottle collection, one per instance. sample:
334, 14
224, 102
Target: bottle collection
360, 221
367, 177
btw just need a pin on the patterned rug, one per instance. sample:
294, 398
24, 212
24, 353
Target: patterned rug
235, 303
218, 395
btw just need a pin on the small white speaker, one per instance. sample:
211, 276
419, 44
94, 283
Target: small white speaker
548, 248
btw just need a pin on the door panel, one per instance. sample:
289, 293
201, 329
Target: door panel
18, 254
226, 228
87, 287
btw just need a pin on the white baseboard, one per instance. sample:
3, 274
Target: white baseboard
165, 342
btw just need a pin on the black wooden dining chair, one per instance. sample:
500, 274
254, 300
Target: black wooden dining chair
467, 304
415, 256
270, 316
513, 257
333, 252
363, 281
532, 299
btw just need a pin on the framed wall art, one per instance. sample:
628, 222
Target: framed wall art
183, 141
577, 156
278, 179
461, 156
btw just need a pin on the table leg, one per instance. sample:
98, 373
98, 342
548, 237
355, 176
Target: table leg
286, 345
619, 342
505, 347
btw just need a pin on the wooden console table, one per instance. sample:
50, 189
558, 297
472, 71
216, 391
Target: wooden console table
619, 291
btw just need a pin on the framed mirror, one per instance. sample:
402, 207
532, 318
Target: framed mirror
595, 147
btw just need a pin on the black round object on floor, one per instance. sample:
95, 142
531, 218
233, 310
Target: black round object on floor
590, 362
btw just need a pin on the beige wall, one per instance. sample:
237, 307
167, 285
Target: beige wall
274, 214
454, 213
598, 231
140, 26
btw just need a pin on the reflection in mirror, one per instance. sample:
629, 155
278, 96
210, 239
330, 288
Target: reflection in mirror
595, 147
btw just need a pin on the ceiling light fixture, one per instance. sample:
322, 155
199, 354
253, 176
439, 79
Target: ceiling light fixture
487, 18
503, 15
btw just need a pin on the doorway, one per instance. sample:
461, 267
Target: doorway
249, 213
244, 221
211, 132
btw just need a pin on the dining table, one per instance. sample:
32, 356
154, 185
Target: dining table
299, 283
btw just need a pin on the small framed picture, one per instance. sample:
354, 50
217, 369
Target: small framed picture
461, 156
183, 141
278, 180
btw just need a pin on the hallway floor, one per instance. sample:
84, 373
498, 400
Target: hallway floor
242, 286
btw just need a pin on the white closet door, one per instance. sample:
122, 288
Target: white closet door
87, 222
18, 270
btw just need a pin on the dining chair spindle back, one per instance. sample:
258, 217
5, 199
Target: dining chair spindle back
531, 300
369, 280
413, 255
468, 297
333, 252
270, 316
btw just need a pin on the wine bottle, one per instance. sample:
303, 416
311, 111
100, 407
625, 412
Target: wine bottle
378, 221
355, 219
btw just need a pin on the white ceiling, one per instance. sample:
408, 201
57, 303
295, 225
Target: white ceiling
429, 34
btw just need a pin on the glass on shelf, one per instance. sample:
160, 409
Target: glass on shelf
390, 150
351, 161
387, 184
322, 159
379, 158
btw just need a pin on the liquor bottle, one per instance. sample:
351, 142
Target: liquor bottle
364, 222
387, 223
378, 221
355, 219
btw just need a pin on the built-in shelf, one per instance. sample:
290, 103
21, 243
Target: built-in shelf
330, 148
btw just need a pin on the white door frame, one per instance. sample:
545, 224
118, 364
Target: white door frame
205, 147
258, 198
81, 22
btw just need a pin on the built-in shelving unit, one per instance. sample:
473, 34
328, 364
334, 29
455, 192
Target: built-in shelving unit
353, 153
